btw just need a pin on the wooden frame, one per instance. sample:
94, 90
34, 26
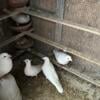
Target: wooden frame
55, 19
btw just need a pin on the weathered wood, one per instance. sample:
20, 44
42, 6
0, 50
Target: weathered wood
62, 47
10, 13
51, 18
60, 14
12, 39
70, 70
42, 27
77, 73
47, 6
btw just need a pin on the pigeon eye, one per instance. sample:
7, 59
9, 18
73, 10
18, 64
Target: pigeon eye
4, 56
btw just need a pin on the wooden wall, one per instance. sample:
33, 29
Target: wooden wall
45, 28
84, 12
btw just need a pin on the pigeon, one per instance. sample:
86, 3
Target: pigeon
6, 64
21, 18
50, 74
9, 89
62, 57
31, 70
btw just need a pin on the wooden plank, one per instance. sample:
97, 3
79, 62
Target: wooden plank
10, 13
64, 48
44, 5
3, 17
77, 73
12, 39
51, 18
70, 70
60, 14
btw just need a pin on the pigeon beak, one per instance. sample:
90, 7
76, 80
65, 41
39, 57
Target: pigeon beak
71, 60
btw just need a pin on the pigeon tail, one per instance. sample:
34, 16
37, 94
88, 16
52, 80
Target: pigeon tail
59, 87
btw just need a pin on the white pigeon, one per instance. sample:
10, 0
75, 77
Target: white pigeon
31, 70
62, 57
5, 64
9, 89
50, 73
21, 18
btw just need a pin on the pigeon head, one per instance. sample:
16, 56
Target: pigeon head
5, 55
27, 60
45, 58
69, 58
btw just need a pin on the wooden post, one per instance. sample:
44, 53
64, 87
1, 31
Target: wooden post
60, 15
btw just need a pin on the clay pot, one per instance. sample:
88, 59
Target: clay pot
17, 3
21, 28
24, 43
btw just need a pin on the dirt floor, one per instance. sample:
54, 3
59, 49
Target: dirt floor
38, 88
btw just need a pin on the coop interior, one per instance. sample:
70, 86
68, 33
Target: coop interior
33, 29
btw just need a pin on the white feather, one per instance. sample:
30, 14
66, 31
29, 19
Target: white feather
50, 73
62, 57
31, 70
21, 18
5, 64
9, 89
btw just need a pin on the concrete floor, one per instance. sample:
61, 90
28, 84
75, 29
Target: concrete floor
38, 88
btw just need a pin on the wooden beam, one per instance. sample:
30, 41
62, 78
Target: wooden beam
62, 47
9, 13
60, 15
12, 39
49, 17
